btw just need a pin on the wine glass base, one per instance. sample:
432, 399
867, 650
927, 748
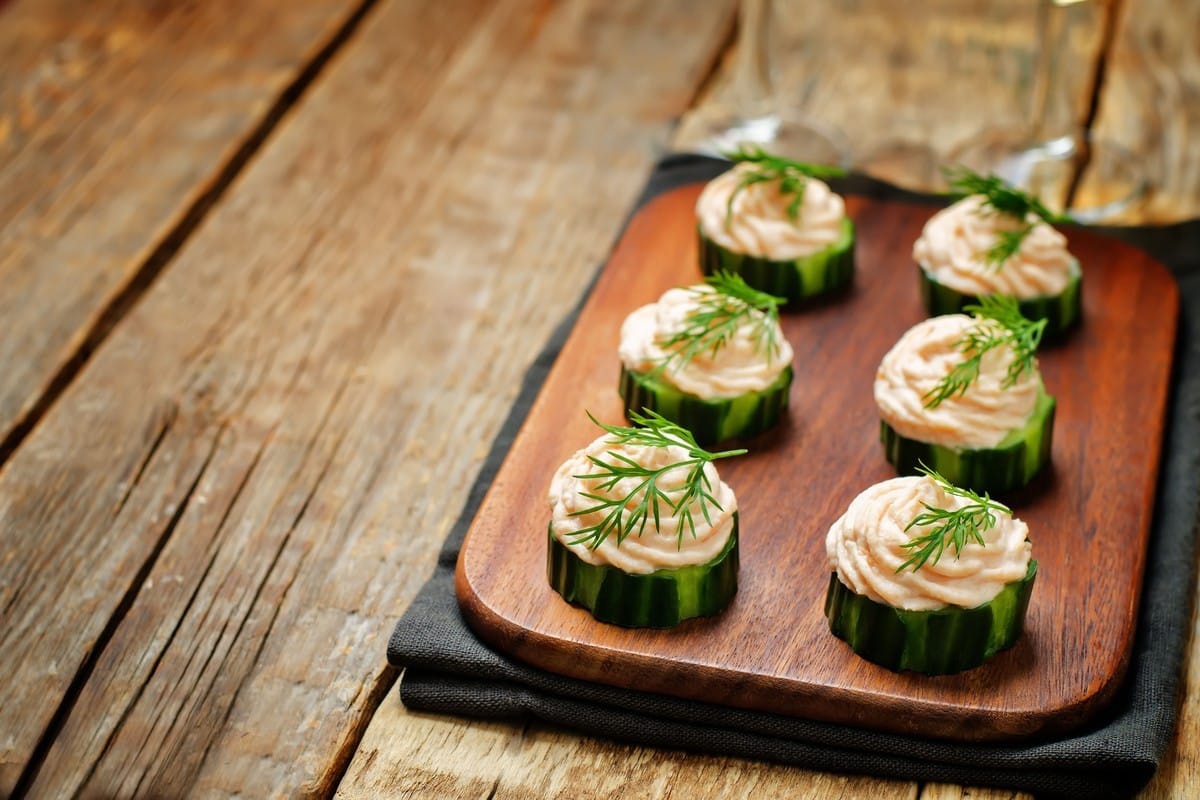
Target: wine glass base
713, 132
906, 163
1089, 180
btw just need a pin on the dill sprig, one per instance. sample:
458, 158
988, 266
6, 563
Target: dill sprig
1002, 198
792, 177
629, 513
718, 315
999, 322
954, 528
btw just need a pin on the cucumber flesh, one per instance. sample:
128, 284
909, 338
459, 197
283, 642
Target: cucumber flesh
824, 272
1061, 311
709, 420
1011, 464
937, 642
660, 599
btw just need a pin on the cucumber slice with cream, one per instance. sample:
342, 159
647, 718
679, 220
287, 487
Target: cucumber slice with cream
934, 642
1061, 311
660, 599
824, 272
1009, 465
709, 420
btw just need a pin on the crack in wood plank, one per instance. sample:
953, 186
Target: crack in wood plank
171, 637
84, 672
162, 424
291, 578
214, 552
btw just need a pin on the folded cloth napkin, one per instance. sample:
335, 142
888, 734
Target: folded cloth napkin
448, 669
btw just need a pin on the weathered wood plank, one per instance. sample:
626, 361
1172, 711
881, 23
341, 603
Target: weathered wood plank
318, 374
1150, 103
418, 755
941, 791
115, 119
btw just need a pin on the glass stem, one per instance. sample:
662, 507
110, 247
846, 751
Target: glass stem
752, 64
1051, 40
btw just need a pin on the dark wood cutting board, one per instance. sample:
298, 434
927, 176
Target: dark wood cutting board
1089, 515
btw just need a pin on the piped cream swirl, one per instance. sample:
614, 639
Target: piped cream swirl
742, 365
667, 545
953, 250
979, 418
866, 547
760, 225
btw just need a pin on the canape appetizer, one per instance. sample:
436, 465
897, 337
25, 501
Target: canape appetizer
997, 240
928, 577
964, 395
775, 223
710, 358
643, 532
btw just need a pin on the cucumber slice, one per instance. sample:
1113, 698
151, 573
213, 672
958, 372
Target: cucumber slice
938, 642
821, 273
1061, 311
1011, 464
710, 421
660, 599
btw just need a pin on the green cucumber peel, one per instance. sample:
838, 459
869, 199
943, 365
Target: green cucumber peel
937, 642
710, 420
660, 599
822, 273
1010, 465
1061, 311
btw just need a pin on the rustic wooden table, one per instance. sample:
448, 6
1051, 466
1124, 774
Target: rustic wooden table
270, 273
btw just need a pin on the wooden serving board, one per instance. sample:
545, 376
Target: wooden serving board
1089, 515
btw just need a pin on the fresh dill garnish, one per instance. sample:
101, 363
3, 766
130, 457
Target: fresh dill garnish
954, 528
998, 322
629, 513
792, 177
718, 315
1002, 198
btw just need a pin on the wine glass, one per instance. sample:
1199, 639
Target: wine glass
1047, 159
746, 110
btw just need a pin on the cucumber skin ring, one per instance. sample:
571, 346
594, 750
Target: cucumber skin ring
1013, 463
710, 421
937, 642
821, 273
1061, 311
660, 599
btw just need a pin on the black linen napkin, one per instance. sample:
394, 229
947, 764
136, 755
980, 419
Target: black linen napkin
448, 669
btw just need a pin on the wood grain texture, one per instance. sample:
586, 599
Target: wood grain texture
1150, 103
115, 119
941, 791
224, 513
405, 754
1089, 517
